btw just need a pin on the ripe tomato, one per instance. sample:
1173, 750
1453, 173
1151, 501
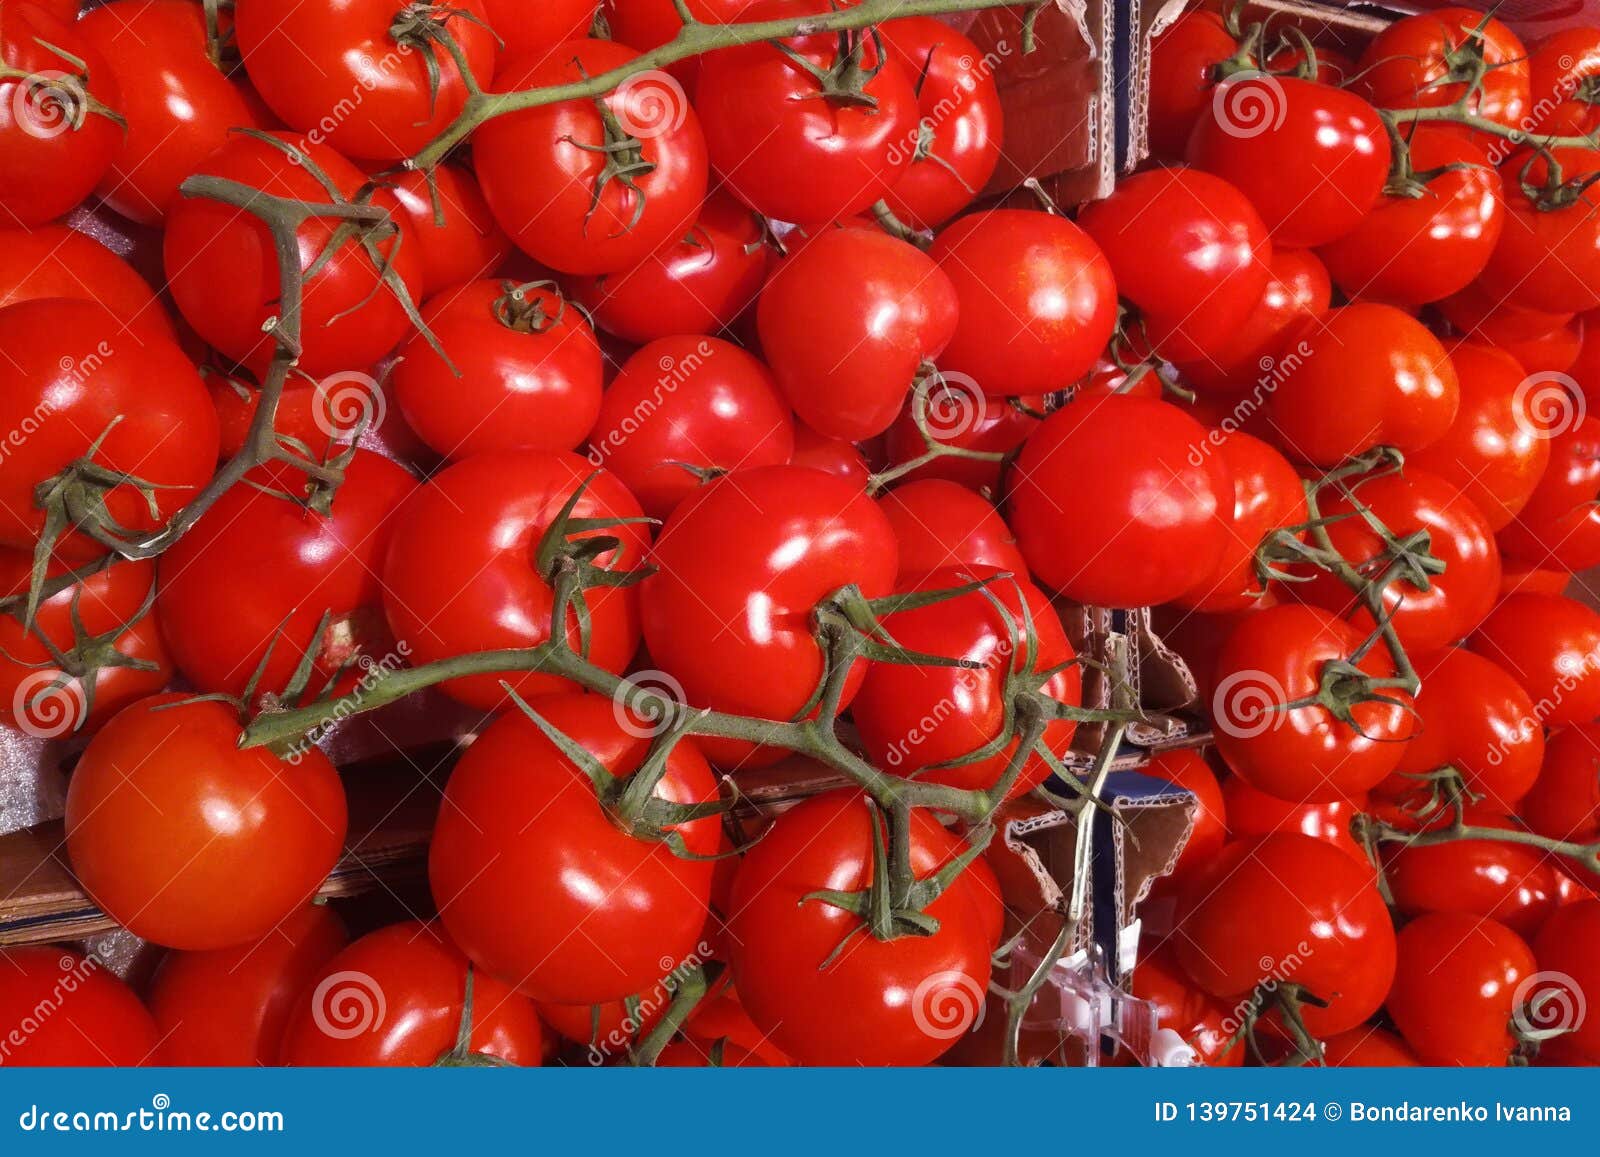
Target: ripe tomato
66, 1009
527, 371
699, 284
1424, 61
1183, 767
1312, 158
647, 24
846, 321
178, 104
1117, 504
1304, 754
1455, 983
54, 261
830, 455
1565, 802
1037, 300
224, 276
74, 375
1288, 909
720, 1016
1559, 526
356, 75
1548, 258
1512, 883
1551, 645
1568, 952
1360, 376
1562, 69
1415, 249
461, 574
544, 170
1183, 72
608, 1029
956, 144
740, 566
1365, 1047
879, 1002
524, 27
467, 244
1243, 358
397, 997
1188, 250
1204, 1023
221, 609
306, 410
519, 819
683, 409
229, 1006
1516, 578
940, 524
54, 144
1252, 813
941, 724
694, 1054
961, 415
190, 842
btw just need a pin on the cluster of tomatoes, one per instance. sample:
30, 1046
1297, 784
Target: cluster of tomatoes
706, 420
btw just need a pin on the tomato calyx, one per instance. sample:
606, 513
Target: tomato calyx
62, 95
515, 309
843, 84
625, 163
1556, 193
422, 27
461, 1055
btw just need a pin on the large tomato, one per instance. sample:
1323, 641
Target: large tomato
1424, 61
1037, 300
455, 230
1183, 72
878, 1002
1512, 883
524, 27
1243, 359
1456, 981
548, 172
845, 323
1252, 813
1117, 503
66, 1009
1549, 643
1563, 68
1548, 257
1568, 946
1564, 803
941, 524
55, 261
190, 842
1559, 526
462, 572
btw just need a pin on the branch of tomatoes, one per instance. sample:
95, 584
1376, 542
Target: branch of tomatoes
1370, 830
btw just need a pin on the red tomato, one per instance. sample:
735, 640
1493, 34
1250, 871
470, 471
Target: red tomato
307, 411
527, 371
1244, 357
1289, 910
397, 997
355, 74
466, 244
1559, 526
1486, 312
1512, 883
1331, 66
693, 1054
54, 144
830, 455
1117, 504
1456, 982
699, 284
1305, 754
524, 27
684, 409
1205, 1025
941, 724
1366, 1047
1548, 257
1568, 952
462, 573
519, 819
224, 276
1361, 376
1549, 644
608, 1029
1517, 578
54, 261
956, 144
1188, 250
940, 524
1183, 767
186, 840
221, 609
1585, 368
1416, 62
880, 1002
1563, 68
544, 169
1253, 813
1183, 72
1037, 300
959, 415
647, 24
73, 375
720, 1016
1312, 158
229, 1006
66, 1009
1565, 802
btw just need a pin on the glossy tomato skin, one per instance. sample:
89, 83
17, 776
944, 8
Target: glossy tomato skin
1037, 300
1183, 62
73, 373
1242, 360
914, 720
539, 167
1548, 644
845, 323
1360, 376
1569, 945
1559, 526
229, 1006
190, 842
958, 147
958, 416
1313, 159
1304, 754
1186, 248
349, 319
1201, 1020
1564, 803
396, 997
647, 24
1292, 909
1454, 988
1559, 67
740, 566
1184, 767
530, 382
939, 524
1514, 884
468, 245
525, 27
1365, 1047
1116, 504
518, 819
682, 405
1405, 65
1253, 813
55, 261
856, 1010
459, 575
1549, 259
94, 1019
608, 1029
833, 456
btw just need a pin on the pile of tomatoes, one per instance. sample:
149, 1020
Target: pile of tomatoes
721, 422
